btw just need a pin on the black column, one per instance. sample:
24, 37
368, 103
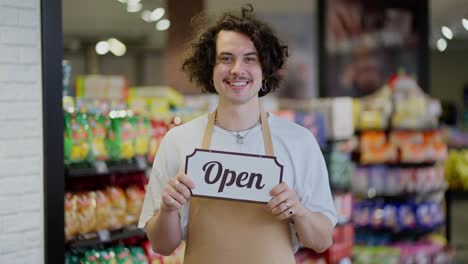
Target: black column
52, 115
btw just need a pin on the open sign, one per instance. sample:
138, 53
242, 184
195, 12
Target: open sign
231, 175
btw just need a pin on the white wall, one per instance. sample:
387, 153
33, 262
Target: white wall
21, 169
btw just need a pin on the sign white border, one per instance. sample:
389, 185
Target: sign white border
274, 171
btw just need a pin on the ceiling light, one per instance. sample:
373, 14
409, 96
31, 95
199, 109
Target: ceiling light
163, 24
157, 14
116, 47
133, 8
102, 47
122, 1
447, 32
132, 2
146, 16
465, 23
441, 44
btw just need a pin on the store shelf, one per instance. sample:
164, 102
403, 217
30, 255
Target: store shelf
340, 189
99, 238
400, 196
399, 235
457, 195
105, 167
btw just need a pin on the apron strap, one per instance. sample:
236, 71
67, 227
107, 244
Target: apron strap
208, 130
267, 140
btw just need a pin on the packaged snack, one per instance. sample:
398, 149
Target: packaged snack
393, 182
72, 223
81, 138
103, 211
377, 216
406, 217
377, 177
99, 125
119, 207
386, 153
121, 136
135, 197
423, 216
438, 152
414, 153
90, 257
123, 255
372, 139
159, 129
390, 218
362, 214
360, 180
402, 138
138, 255
87, 212
143, 134
107, 256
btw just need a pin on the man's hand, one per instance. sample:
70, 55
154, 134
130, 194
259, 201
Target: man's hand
285, 203
177, 192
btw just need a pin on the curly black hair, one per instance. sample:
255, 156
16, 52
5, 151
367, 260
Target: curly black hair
201, 57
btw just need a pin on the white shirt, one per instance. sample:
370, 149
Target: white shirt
295, 148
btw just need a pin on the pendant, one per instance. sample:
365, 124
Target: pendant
239, 139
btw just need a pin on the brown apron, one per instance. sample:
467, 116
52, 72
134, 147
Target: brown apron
221, 231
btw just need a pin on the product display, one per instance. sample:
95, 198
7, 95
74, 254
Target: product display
399, 177
388, 180
109, 255
108, 209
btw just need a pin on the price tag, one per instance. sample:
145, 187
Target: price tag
104, 235
141, 163
101, 167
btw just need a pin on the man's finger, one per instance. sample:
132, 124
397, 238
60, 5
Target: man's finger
183, 178
278, 189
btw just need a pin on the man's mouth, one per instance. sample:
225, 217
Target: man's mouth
237, 83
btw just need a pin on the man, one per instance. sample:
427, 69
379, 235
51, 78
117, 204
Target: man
239, 58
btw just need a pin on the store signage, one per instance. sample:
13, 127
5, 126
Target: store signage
234, 176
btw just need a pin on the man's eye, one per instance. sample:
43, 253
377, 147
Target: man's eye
250, 59
225, 59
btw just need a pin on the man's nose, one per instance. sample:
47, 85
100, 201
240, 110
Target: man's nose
238, 67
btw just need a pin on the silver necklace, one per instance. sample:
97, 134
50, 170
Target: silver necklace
239, 138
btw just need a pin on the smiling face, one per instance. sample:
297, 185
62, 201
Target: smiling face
237, 74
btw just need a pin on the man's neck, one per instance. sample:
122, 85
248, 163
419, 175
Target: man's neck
236, 117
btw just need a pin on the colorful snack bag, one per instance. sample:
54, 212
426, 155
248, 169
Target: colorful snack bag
103, 211
138, 255
119, 207
90, 257
81, 139
159, 129
121, 137
99, 125
72, 223
143, 135
123, 255
87, 212
135, 197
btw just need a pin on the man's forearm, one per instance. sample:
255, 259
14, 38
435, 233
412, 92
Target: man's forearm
164, 232
314, 230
